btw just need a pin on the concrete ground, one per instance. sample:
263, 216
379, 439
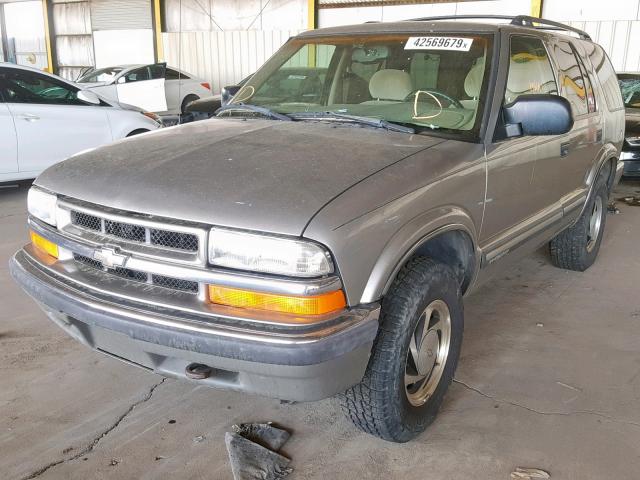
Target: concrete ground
549, 378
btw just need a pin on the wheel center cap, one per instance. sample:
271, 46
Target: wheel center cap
428, 352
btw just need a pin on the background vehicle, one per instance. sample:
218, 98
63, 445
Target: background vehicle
155, 87
319, 241
630, 87
205, 107
45, 119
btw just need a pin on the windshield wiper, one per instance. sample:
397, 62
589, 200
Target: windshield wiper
254, 108
372, 122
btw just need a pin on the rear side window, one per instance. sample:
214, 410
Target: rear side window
530, 71
591, 99
174, 75
606, 74
571, 82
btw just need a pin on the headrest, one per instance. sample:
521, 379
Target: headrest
524, 76
390, 85
473, 82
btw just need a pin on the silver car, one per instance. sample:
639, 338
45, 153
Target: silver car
317, 237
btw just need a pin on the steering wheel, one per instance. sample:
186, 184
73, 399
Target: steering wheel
436, 93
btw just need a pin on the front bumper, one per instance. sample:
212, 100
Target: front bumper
302, 366
630, 159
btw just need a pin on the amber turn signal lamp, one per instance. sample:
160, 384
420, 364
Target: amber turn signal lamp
296, 305
43, 244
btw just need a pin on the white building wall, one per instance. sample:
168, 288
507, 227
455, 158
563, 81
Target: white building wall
328, 17
223, 58
614, 24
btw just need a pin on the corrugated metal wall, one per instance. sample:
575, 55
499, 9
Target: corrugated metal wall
120, 14
619, 38
223, 58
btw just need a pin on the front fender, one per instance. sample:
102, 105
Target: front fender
409, 239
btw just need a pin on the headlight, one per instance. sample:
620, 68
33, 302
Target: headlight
267, 254
42, 205
633, 140
152, 116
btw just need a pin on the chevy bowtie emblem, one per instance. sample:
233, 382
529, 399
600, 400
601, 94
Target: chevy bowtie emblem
110, 258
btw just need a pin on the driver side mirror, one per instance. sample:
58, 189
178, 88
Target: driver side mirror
87, 96
228, 92
539, 114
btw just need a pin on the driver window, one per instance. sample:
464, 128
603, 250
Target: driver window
30, 87
530, 70
137, 75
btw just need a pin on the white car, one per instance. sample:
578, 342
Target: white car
45, 119
154, 87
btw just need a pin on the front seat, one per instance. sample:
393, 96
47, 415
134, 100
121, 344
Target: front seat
473, 84
389, 86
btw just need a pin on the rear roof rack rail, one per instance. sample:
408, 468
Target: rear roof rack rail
521, 20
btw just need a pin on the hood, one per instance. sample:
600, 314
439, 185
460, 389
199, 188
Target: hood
263, 175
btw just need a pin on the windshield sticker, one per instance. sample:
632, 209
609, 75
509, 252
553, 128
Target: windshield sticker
439, 43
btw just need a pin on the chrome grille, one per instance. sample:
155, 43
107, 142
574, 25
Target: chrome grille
142, 277
131, 232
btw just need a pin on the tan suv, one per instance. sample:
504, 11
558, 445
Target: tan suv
317, 236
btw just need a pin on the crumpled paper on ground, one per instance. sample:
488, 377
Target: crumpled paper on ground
253, 452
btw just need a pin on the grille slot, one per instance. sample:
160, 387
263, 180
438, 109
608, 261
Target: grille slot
87, 261
187, 242
178, 240
85, 220
175, 283
142, 277
126, 231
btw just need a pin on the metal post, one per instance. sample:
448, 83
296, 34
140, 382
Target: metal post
3, 35
158, 47
49, 36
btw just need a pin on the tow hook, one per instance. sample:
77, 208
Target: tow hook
197, 371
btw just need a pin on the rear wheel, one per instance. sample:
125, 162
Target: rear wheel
186, 101
576, 248
414, 356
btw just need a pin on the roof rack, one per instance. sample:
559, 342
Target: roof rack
522, 20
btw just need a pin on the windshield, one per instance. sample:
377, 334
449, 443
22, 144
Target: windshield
426, 82
101, 75
630, 87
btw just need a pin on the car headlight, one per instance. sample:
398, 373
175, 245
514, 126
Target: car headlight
42, 205
267, 254
635, 140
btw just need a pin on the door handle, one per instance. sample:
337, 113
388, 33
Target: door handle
28, 117
564, 149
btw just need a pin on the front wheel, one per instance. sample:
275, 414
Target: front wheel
414, 356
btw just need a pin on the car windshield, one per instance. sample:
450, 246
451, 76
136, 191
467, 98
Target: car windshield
630, 87
101, 75
437, 81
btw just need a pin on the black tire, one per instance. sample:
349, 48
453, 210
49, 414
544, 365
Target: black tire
574, 248
379, 404
137, 132
186, 101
